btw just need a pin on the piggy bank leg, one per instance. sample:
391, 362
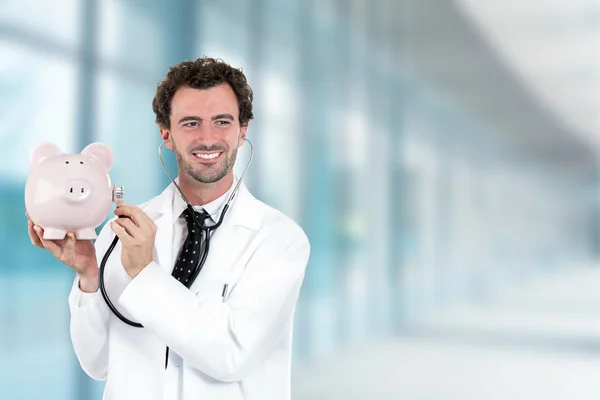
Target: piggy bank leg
85, 234
54, 234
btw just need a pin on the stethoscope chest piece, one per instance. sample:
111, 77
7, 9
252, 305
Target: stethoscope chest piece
207, 232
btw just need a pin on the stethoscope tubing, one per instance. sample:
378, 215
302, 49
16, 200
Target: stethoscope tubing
207, 231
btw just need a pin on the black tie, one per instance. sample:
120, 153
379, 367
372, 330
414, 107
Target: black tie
190, 252
189, 255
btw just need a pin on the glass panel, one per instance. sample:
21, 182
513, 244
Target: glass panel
37, 96
126, 124
43, 20
122, 27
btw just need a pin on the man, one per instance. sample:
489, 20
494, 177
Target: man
229, 335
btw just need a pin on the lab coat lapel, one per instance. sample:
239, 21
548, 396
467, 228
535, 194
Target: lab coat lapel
230, 240
160, 210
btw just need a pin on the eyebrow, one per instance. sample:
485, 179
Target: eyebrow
198, 119
223, 116
190, 118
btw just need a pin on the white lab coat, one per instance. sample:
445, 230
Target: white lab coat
233, 348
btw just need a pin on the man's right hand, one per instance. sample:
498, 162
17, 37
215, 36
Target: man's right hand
80, 255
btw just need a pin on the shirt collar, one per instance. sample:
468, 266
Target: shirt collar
214, 208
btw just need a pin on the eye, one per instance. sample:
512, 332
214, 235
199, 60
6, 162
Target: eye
80, 162
191, 124
223, 122
66, 162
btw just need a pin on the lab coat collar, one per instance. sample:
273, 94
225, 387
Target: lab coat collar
242, 211
213, 208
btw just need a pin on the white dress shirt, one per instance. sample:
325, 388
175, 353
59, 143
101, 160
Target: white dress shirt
214, 208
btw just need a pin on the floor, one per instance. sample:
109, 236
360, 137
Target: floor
538, 341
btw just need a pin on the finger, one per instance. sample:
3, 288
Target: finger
127, 210
136, 214
120, 232
35, 239
123, 213
130, 227
49, 245
70, 242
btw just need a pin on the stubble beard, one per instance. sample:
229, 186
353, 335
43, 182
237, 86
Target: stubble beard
209, 174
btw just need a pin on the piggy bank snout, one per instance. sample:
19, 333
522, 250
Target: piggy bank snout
77, 191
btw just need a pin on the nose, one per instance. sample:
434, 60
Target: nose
207, 135
77, 191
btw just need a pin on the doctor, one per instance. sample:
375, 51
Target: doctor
227, 337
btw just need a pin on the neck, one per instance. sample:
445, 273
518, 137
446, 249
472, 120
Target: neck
198, 193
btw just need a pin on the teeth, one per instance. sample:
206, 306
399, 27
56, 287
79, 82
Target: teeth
207, 156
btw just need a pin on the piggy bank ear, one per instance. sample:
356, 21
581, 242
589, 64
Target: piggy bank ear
101, 153
42, 152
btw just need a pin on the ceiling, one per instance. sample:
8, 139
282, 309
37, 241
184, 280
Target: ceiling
553, 48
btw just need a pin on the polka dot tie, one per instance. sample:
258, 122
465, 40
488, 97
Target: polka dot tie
190, 252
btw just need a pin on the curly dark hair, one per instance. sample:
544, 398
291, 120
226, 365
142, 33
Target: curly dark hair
204, 73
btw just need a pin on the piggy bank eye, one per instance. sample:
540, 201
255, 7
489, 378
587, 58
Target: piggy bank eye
80, 162
66, 162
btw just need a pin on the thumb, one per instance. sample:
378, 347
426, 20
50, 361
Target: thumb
70, 242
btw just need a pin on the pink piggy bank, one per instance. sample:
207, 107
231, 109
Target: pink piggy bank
70, 192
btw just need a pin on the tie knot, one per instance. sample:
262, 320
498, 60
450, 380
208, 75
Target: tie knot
201, 217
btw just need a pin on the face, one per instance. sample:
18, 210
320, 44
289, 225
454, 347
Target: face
205, 132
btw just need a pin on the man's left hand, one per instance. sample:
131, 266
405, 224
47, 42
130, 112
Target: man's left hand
137, 233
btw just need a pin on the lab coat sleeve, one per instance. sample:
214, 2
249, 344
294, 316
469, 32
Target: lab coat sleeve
89, 321
225, 340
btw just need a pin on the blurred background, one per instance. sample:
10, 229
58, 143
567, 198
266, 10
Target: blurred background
442, 157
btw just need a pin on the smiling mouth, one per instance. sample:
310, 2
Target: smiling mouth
208, 156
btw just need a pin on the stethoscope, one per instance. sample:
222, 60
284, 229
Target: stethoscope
206, 234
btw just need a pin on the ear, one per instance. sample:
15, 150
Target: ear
243, 131
166, 135
42, 152
101, 153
